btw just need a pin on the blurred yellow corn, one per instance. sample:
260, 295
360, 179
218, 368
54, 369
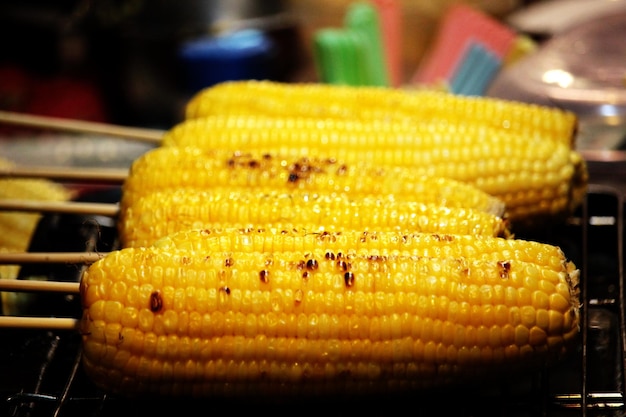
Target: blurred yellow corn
536, 179
370, 103
170, 168
159, 214
255, 313
16, 228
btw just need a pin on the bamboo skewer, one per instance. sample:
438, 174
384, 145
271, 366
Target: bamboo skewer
8, 258
107, 176
114, 176
80, 126
67, 207
39, 286
24, 285
47, 323
39, 323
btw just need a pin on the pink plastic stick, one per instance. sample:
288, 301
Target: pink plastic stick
391, 28
461, 23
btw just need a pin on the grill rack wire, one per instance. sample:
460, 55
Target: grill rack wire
41, 374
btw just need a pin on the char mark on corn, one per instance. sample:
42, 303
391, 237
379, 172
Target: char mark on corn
537, 179
159, 214
173, 319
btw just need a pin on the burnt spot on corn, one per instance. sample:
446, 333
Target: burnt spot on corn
504, 267
348, 278
326, 236
246, 160
303, 168
264, 275
330, 256
156, 301
342, 169
228, 262
225, 290
312, 265
343, 265
443, 238
372, 236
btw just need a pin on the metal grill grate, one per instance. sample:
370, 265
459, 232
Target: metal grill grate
40, 373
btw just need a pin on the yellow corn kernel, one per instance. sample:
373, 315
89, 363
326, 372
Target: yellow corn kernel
369, 103
170, 168
312, 316
536, 179
162, 213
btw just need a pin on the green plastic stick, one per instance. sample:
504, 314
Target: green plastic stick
363, 18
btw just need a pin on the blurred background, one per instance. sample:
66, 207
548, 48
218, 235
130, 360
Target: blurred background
121, 61
137, 62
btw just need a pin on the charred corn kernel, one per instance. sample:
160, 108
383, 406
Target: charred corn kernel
536, 179
162, 213
311, 315
369, 103
168, 168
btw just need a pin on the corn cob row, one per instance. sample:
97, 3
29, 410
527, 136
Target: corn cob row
353, 313
370, 103
292, 237
536, 179
162, 213
170, 168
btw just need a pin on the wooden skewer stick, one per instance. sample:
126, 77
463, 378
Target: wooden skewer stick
24, 285
67, 207
80, 126
49, 323
83, 175
9, 258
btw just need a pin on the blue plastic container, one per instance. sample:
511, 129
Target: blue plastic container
240, 55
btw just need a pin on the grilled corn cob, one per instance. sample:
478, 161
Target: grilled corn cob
311, 316
369, 103
169, 168
536, 179
162, 213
